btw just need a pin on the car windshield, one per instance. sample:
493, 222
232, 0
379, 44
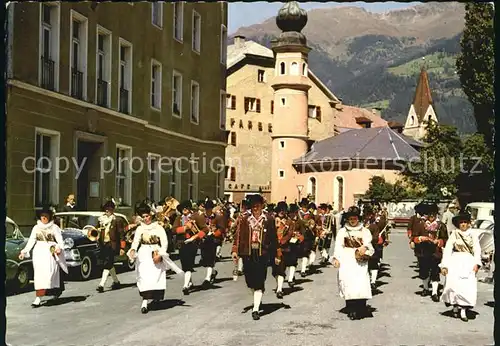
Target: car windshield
78, 221
12, 232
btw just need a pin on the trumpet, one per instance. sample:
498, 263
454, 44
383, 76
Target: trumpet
93, 233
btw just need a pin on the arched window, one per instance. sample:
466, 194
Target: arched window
304, 69
412, 120
311, 188
294, 69
282, 68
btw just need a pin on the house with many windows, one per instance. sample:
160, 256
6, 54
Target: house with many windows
114, 99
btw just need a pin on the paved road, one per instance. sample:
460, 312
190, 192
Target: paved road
309, 316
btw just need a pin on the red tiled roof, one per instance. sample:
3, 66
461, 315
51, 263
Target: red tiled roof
347, 117
423, 98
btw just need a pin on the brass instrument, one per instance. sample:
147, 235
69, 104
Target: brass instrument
52, 249
93, 233
361, 258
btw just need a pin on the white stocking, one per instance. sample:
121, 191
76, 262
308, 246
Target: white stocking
187, 279
374, 274
37, 301
144, 303
304, 264
240, 264
209, 273
425, 283
324, 253
291, 273
312, 257
257, 298
435, 286
281, 279
105, 274
219, 248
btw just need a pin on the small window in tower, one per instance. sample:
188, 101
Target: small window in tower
312, 111
283, 102
294, 69
282, 68
232, 122
270, 128
282, 144
233, 138
272, 107
260, 126
261, 76
241, 124
412, 120
250, 126
304, 69
281, 173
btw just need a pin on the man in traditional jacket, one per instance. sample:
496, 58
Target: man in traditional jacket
430, 238
376, 225
256, 242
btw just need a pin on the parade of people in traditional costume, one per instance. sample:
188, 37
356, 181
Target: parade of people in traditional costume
49, 262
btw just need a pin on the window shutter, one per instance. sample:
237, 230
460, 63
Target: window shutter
272, 107
318, 113
233, 102
258, 105
246, 104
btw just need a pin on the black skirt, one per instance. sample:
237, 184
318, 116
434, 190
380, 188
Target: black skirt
325, 243
107, 255
208, 253
255, 270
187, 254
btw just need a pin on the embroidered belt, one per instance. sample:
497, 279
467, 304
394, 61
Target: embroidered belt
255, 246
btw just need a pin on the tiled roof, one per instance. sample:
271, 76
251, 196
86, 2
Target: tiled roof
423, 98
347, 116
380, 143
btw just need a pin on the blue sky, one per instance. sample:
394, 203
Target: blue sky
245, 13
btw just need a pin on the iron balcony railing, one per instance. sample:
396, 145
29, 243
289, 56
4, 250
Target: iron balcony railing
102, 93
124, 101
48, 73
76, 83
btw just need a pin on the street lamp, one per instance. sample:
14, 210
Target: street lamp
300, 187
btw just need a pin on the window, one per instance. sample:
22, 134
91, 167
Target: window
250, 125
340, 193
154, 187
222, 110
282, 68
252, 104
261, 74
47, 145
283, 101
177, 94
78, 56
311, 188
412, 120
232, 174
304, 69
174, 178
232, 122
260, 126
157, 14
195, 102
223, 44
294, 69
233, 138
125, 77
230, 101
281, 173
155, 84
270, 128
241, 124
193, 181
312, 111
123, 184
282, 144
103, 67
178, 20
196, 39
48, 71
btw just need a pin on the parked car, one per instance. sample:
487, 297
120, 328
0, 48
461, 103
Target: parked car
81, 253
486, 239
481, 211
18, 273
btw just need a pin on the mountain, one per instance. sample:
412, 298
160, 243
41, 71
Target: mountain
373, 59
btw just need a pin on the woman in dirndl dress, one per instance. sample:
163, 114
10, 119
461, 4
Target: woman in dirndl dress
151, 257
353, 276
460, 264
48, 256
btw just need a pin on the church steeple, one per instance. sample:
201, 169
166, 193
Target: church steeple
423, 98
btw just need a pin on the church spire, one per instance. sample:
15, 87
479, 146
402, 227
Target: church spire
423, 98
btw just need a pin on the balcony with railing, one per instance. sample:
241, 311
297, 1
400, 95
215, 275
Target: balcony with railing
124, 101
76, 83
102, 93
48, 74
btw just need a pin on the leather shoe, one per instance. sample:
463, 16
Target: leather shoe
255, 315
100, 289
279, 295
435, 298
185, 290
144, 310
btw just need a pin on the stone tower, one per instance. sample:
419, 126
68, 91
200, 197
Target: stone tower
291, 86
421, 110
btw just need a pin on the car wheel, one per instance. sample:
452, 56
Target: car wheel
130, 264
86, 268
23, 277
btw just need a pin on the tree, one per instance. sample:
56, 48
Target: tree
380, 190
476, 65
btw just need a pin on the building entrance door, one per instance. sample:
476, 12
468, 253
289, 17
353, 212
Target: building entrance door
88, 160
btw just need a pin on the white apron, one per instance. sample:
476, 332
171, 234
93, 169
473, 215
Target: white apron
45, 265
461, 282
353, 276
